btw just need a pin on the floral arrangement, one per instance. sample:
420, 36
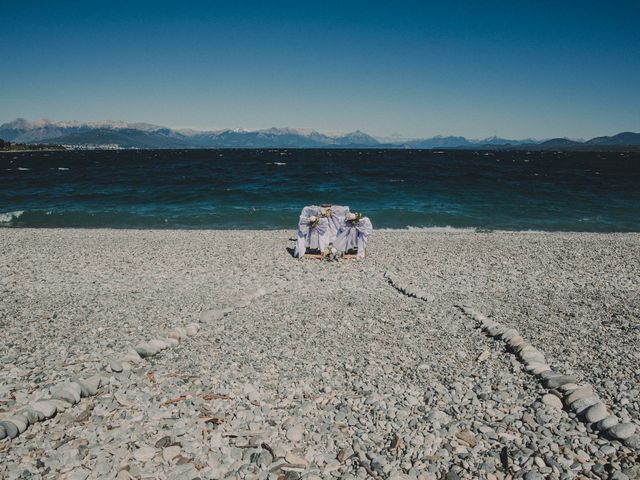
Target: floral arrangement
314, 221
354, 218
331, 253
326, 212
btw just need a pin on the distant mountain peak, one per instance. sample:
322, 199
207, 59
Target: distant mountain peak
145, 135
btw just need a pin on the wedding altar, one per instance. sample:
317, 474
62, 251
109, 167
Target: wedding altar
332, 232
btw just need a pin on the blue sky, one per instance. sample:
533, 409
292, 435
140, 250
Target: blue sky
512, 69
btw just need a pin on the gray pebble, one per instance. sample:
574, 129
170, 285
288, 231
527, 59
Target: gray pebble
48, 409
10, 428
115, 366
67, 393
20, 421
622, 431
555, 382
146, 350
596, 412
582, 392
633, 441
581, 405
607, 423
32, 415
89, 386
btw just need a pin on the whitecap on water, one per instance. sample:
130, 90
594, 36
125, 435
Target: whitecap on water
8, 217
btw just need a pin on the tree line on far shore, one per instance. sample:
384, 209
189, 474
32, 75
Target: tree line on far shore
6, 146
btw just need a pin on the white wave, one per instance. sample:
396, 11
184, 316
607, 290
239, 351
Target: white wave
63, 168
449, 229
23, 168
8, 217
279, 163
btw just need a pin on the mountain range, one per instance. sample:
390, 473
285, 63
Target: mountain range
144, 135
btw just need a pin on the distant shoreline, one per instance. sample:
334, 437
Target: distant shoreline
602, 149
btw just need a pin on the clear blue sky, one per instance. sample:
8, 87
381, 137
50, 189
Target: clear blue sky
473, 68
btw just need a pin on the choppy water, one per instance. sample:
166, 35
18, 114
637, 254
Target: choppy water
265, 189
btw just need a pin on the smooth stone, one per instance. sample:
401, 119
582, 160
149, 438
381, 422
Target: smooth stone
487, 324
67, 393
533, 475
3, 433
622, 431
175, 334
172, 342
192, 329
32, 415
552, 401
568, 388
20, 421
115, 366
582, 404
10, 428
75, 386
582, 392
536, 368
555, 382
90, 385
607, 423
540, 369
633, 442
183, 331
48, 409
158, 344
61, 405
146, 350
596, 412
132, 356
516, 341
496, 330
508, 334
549, 374
532, 355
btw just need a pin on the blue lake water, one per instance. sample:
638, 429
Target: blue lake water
265, 189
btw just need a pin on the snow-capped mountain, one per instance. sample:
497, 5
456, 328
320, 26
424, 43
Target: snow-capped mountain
145, 135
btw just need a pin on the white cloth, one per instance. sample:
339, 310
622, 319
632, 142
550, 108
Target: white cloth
311, 237
354, 236
338, 215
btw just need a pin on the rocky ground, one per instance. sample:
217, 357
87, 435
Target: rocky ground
334, 374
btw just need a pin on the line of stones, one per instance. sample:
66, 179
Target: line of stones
581, 399
69, 393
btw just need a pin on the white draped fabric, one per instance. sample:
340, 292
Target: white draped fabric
338, 215
334, 229
311, 237
354, 236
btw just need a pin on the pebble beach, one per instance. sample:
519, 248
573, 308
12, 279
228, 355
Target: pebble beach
211, 354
